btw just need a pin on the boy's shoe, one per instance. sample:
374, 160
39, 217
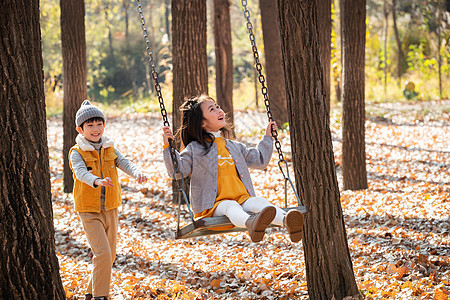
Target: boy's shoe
88, 297
257, 224
293, 222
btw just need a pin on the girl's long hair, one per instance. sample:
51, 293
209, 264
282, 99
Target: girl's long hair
191, 123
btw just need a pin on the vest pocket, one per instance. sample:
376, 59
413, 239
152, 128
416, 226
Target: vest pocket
110, 155
91, 165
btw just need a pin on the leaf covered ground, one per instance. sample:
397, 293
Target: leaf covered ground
398, 229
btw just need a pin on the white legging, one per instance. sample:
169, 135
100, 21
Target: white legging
238, 213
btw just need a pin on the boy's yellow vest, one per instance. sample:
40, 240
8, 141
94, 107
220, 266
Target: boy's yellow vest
87, 198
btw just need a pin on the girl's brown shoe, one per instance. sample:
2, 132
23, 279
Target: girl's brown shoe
257, 224
293, 221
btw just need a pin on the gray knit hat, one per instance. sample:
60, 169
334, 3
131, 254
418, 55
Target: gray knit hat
87, 111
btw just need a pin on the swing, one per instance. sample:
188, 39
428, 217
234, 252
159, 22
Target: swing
221, 224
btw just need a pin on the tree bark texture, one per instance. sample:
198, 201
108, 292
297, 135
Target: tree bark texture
224, 58
385, 41
273, 64
324, 26
398, 41
439, 35
353, 17
190, 68
167, 13
28, 264
73, 46
329, 270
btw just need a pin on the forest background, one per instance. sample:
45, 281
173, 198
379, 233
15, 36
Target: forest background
119, 77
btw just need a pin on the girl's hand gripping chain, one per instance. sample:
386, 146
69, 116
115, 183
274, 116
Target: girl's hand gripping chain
167, 135
269, 128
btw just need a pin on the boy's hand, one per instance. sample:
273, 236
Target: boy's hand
141, 178
269, 128
167, 134
104, 182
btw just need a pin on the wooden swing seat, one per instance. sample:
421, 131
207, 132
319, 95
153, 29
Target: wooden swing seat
216, 225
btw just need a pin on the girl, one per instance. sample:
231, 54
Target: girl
220, 179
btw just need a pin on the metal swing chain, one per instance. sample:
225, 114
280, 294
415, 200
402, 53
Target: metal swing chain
163, 112
262, 80
155, 80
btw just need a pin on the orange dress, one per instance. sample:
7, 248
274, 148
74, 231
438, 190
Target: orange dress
229, 185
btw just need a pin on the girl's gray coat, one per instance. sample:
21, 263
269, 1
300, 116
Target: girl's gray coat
203, 168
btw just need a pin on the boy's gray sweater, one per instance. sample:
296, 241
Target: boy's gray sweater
203, 168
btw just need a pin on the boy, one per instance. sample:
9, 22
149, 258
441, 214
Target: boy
97, 195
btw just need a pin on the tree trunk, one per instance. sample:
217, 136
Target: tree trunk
150, 17
329, 270
439, 34
224, 59
353, 17
324, 27
125, 5
28, 261
335, 56
73, 46
272, 55
190, 67
110, 38
166, 18
385, 39
399, 43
